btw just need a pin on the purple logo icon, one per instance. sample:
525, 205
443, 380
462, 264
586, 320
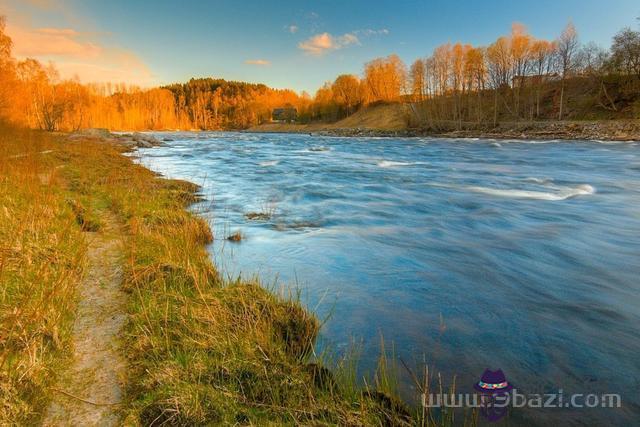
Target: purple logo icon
493, 387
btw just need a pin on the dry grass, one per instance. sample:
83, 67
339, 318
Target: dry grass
41, 262
200, 350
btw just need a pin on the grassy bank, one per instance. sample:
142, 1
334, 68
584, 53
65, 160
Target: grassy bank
199, 350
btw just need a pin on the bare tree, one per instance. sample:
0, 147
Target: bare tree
567, 47
499, 67
593, 62
625, 52
543, 52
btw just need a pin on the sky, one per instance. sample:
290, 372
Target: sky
284, 44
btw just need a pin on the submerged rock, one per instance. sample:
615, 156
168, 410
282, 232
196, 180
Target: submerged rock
257, 216
235, 237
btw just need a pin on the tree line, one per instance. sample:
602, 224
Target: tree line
517, 77
34, 95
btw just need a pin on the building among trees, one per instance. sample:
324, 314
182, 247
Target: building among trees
284, 115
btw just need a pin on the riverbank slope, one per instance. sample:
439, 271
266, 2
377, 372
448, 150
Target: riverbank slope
394, 119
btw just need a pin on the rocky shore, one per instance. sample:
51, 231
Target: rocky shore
613, 130
130, 140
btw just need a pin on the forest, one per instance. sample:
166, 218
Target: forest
516, 78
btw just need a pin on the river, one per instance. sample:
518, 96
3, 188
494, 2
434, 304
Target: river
473, 254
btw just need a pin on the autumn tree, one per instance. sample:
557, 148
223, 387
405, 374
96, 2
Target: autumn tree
385, 78
521, 55
35, 81
324, 105
6, 70
418, 84
442, 63
475, 75
346, 92
500, 68
76, 100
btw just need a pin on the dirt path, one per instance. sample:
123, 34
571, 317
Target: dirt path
89, 391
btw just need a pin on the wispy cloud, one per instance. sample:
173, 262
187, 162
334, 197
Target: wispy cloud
369, 32
41, 4
76, 54
34, 42
320, 44
292, 28
261, 62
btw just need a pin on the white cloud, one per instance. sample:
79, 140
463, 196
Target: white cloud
325, 42
320, 44
293, 29
261, 62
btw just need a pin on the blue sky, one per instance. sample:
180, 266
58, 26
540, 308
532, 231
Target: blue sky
293, 44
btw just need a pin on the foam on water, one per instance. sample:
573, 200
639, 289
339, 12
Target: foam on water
269, 163
391, 164
538, 180
562, 193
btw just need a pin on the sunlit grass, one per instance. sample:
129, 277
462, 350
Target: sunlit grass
41, 262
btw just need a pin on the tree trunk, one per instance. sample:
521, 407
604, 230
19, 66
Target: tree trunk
495, 107
561, 99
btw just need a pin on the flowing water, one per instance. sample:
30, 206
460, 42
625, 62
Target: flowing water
475, 254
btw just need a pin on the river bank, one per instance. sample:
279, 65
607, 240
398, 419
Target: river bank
391, 121
200, 349
589, 131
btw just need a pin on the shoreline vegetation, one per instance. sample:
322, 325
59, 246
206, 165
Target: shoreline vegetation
199, 349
